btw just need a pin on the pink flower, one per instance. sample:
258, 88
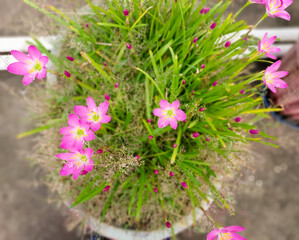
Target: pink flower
276, 8
184, 82
207, 139
150, 137
245, 39
265, 46
184, 185
105, 64
107, 97
149, 120
230, 129
227, 44
86, 25
215, 83
195, 134
77, 161
92, 114
126, 12
32, 66
106, 189
258, 1
75, 134
202, 109
156, 171
116, 85
70, 58
137, 156
171, 174
272, 77
242, 91
195, 39
213, 26
129, 46
237, 119
169, 114
155, 190
253, 131
203, 66
175, 145
227, 233
100, 151
66, 73
168, 225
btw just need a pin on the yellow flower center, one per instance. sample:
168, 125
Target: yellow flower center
83, 158
225, 236
80, 132
37, 67
274, 6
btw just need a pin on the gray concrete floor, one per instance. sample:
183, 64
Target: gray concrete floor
266, 200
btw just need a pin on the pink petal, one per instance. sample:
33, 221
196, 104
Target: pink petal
95, 126
90, 135
272, 88
42, 73
271, 56
67, 169
44, 60
164, 104
213, 234
274, 67
77, 144
67, 142
280, 84
274, 49
105, 119
77, 171
66, 156
34, 52
280, 74
83, 124
175, 104
283, 14
103, 108
158, 112
28, 78
287, 3
81, 111
180, 115
19, 68
271, 40
173, 123
84, 172
73, 120
89, 165
65, 130
21, 57
163, 122
234, 229
88, 152
91, 104
237, 237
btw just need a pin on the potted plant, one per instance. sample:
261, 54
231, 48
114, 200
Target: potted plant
150, 113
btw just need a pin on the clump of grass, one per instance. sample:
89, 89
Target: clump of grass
165, 62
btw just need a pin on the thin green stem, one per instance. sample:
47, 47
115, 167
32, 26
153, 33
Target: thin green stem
237, 14
178, 141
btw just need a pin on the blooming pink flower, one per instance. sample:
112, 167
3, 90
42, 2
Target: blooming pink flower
258, 1
195, 134
272, 77
66, 73
227, 44
75, 134
184, 185
78, 161
70, 58
106, 189
253, 131
276, 8
169, 114
92, 114
265, 46
213, 25
195, 39
237, 119
32, 66
171, 174
168, 225
156, 171
227, 233
126, 12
